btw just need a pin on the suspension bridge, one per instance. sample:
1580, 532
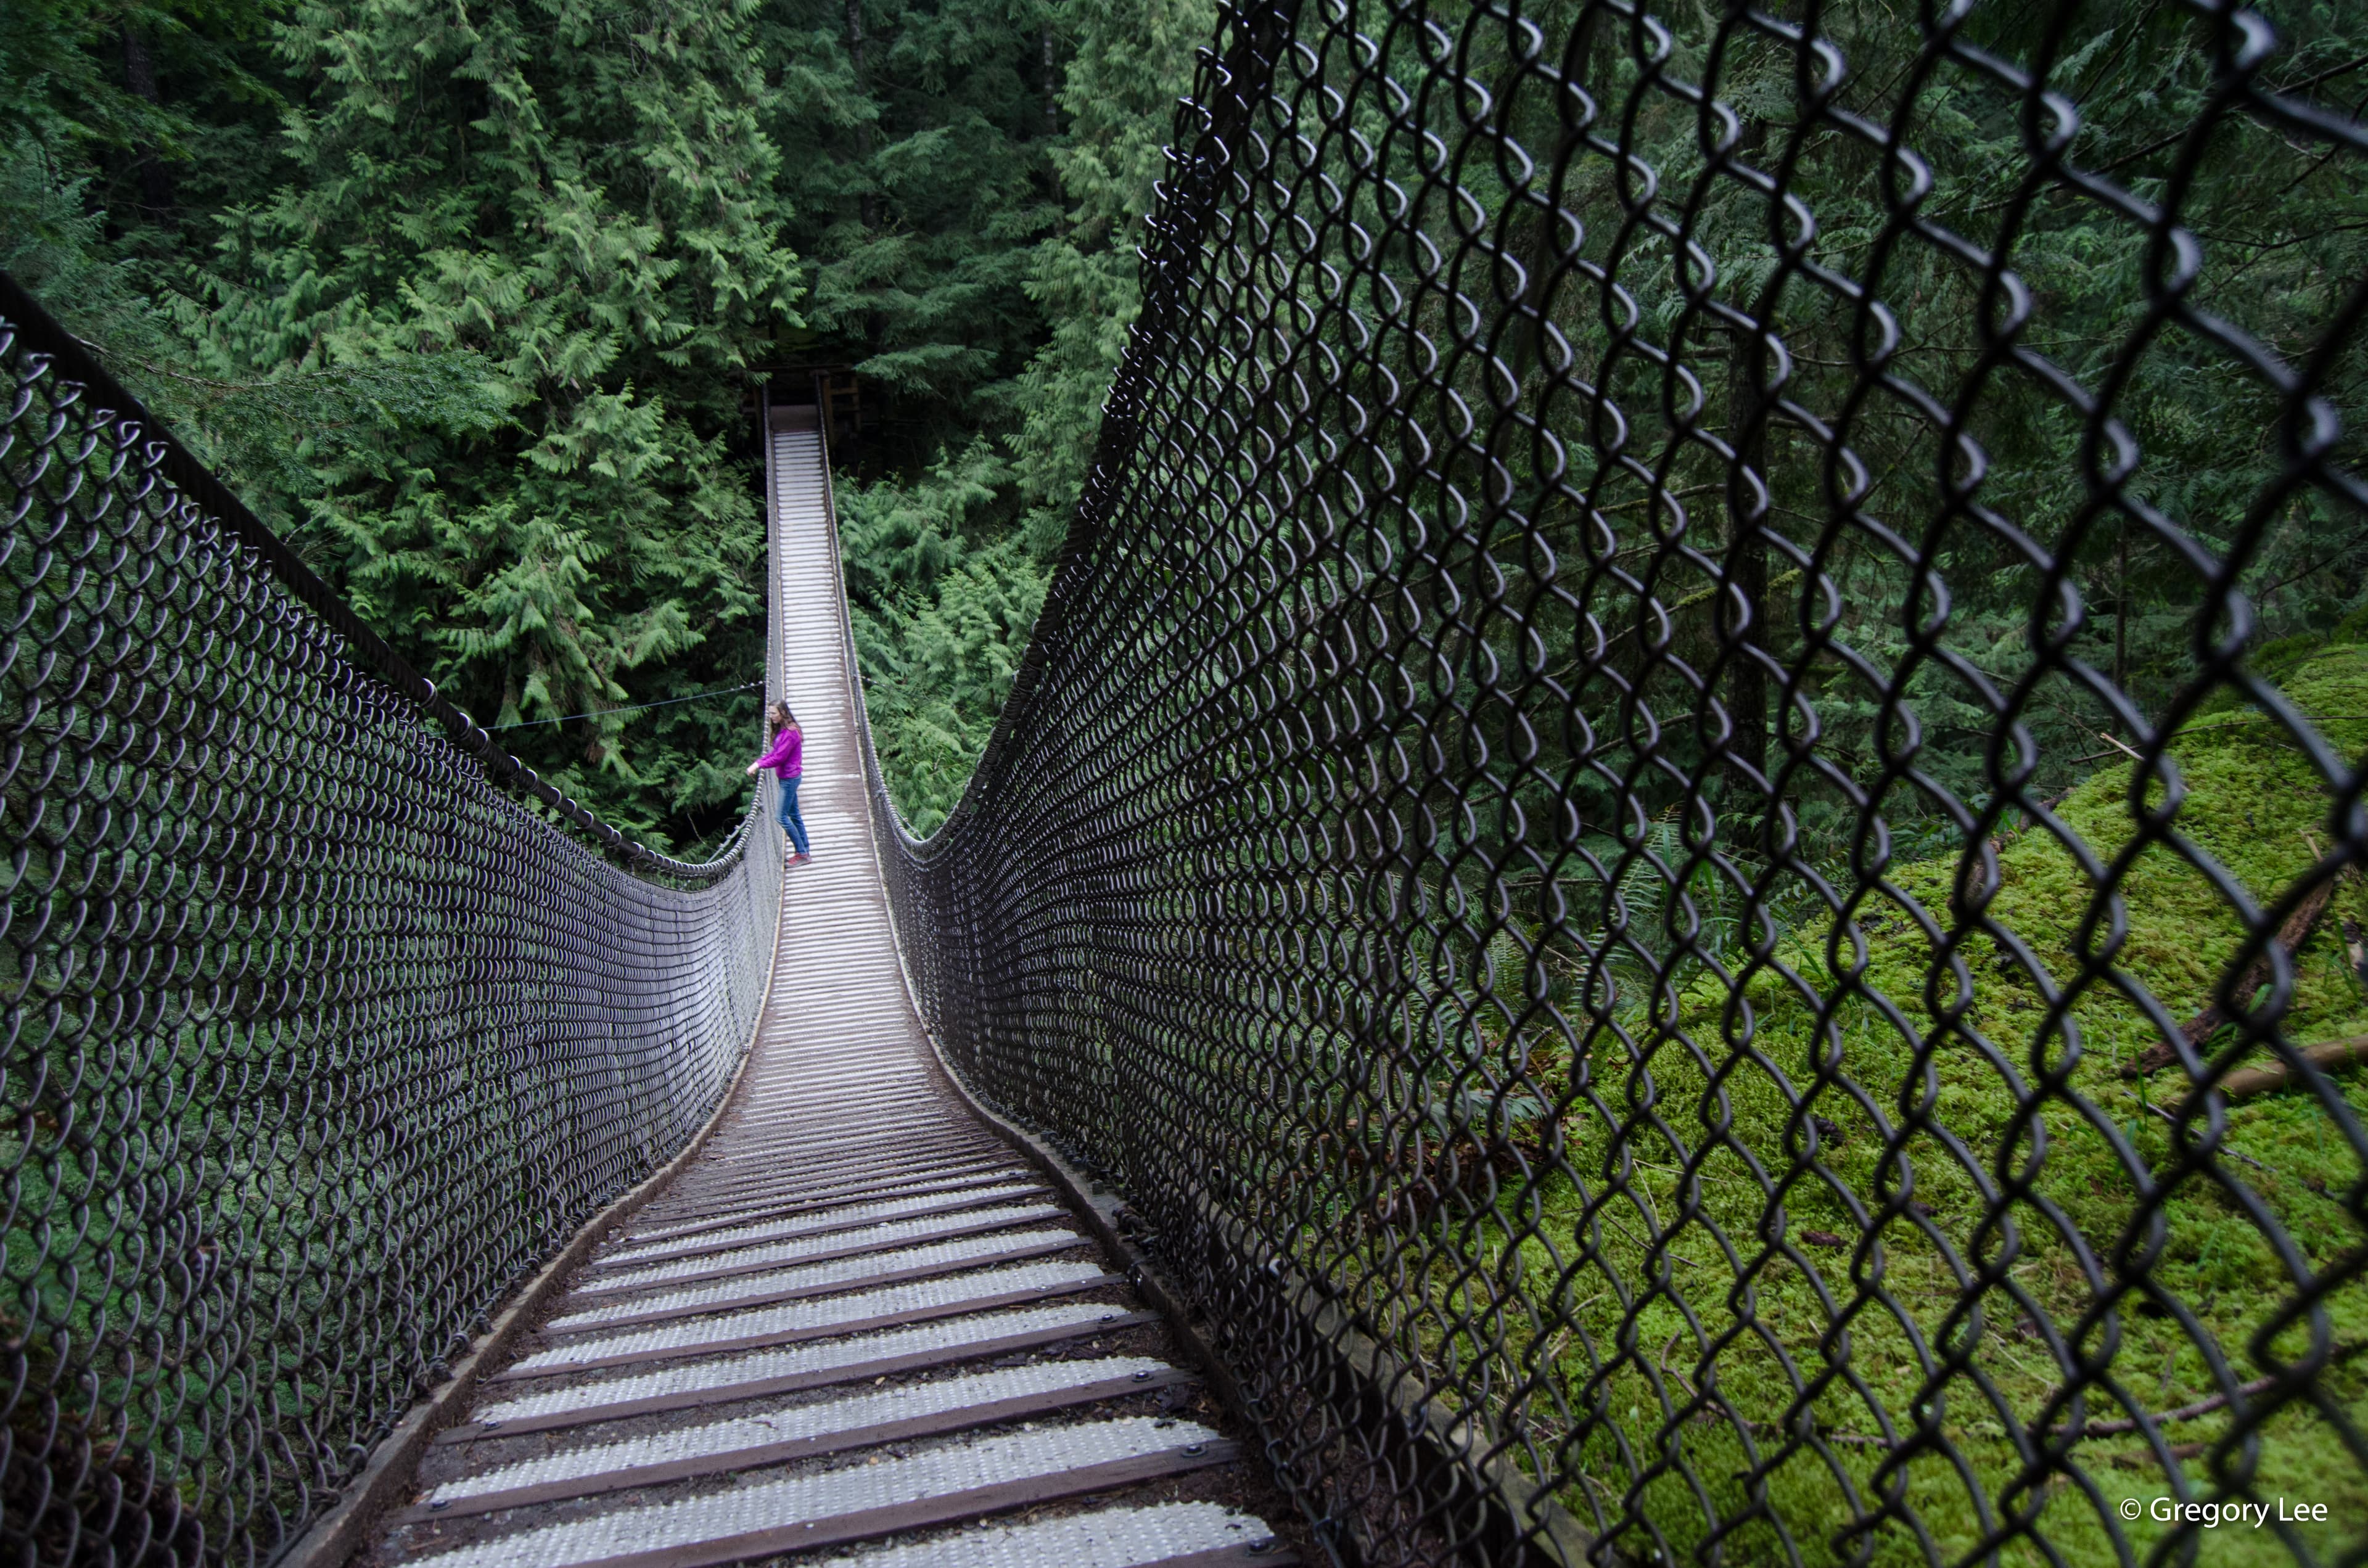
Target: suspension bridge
856, 1311
1586, 936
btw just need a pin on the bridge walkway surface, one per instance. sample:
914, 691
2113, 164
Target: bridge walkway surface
855, 1323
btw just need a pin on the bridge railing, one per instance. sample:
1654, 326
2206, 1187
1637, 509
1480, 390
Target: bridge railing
325, 1021
1687, 818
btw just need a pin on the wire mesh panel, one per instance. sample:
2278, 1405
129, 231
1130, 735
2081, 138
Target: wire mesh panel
1686, 821
320, 1033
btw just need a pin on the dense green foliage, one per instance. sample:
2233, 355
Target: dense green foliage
461, 312
469, 317
974, 247
2282, 248
466, 301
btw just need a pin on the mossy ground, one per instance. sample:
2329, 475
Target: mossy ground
1976, 1193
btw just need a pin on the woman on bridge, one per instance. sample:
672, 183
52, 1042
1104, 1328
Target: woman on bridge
787, 759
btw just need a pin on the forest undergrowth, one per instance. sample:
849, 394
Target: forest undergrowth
1981, 1194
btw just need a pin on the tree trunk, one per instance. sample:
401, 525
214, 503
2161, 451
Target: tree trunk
155, 185
866, 207
1743, 626
1540, 252
1052, 88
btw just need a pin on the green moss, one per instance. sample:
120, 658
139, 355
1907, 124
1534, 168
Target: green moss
1976, 1072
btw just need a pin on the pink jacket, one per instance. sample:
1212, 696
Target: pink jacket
787, 759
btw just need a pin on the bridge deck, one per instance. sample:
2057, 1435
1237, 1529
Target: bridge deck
856, 1317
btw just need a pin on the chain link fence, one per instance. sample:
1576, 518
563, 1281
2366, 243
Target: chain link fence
325, 1021
1687, 818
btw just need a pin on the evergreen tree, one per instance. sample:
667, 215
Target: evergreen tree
978, 270
1134, 60
459, 300
124, 133
942, 610
583, 193
914, 136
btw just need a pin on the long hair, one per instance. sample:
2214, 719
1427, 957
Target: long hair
778, 717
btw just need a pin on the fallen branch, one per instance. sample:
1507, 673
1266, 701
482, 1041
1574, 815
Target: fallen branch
2327, 1056
2199, 1028
2201, 1408
2184, 1412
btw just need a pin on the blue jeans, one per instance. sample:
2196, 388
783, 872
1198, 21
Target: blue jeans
793, 824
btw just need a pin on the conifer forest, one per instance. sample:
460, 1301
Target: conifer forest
468, 299
465, 301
